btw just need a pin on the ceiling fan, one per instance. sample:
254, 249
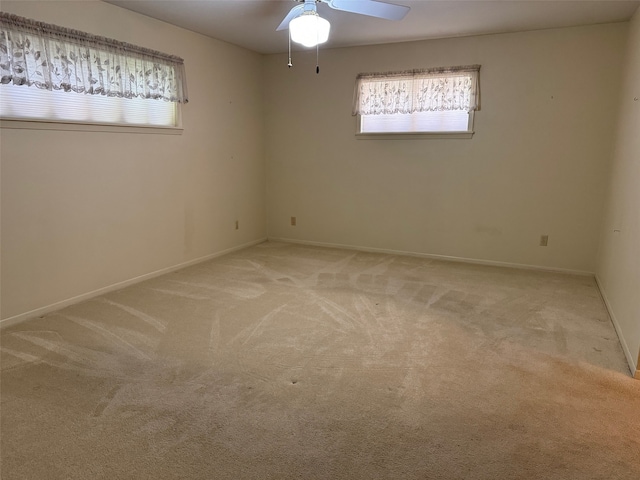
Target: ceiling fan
309, 29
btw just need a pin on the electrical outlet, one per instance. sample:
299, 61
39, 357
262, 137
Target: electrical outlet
237, 224
544, 240
293, 221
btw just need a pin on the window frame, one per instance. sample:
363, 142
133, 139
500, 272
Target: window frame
58, 60
396, 98
28, 124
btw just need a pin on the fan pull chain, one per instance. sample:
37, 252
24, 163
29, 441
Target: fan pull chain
289, 64
317, 59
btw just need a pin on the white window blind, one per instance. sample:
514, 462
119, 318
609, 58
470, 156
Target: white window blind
418, 122
22, 103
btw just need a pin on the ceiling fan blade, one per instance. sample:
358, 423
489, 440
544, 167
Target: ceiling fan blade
372, 8
295, 12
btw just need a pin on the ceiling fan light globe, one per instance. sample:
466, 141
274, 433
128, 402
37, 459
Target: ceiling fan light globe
309, 29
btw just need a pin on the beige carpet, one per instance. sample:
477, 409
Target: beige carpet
285, 361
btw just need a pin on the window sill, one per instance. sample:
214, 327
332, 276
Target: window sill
88, 127
414, 136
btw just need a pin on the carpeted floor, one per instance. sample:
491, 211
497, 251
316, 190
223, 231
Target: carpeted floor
292, 362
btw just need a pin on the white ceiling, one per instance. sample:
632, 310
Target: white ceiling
252, 23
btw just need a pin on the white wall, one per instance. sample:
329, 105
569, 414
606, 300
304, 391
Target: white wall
619, 260
537, 164
85, 210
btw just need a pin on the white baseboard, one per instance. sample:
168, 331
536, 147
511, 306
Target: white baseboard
116, 286
630, 358
492, 263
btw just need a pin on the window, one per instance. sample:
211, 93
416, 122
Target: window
438, 101
54, 74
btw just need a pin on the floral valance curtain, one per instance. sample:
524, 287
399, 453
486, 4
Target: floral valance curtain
55, 58
438, 89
